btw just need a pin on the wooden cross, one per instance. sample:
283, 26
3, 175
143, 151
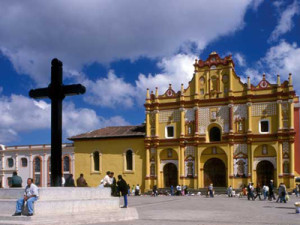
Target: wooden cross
56, 91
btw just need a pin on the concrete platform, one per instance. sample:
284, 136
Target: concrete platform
82, 204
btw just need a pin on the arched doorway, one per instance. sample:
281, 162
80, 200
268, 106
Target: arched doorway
264, 172
214, 134
170, 175
215, 173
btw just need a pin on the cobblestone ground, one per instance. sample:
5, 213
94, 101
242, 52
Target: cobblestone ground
177, 210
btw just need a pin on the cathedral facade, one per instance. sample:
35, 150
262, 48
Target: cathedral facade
216, 130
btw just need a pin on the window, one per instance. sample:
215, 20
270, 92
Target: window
264, 126
96, 161
152, 169
215, 134
10, 162
37, 175
66, 164
169, 132
129, 160
201, 91
24, 162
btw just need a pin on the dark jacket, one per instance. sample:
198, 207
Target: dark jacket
122, 186
81, 182
16, 181
70, 182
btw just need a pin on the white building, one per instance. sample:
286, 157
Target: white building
33, 161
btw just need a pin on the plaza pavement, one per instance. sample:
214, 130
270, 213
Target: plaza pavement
194, 210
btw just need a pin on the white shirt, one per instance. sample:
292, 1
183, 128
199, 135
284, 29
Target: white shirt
137, 187
107, 180
31, 190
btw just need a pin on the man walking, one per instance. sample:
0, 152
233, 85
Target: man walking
122, 185
31, 194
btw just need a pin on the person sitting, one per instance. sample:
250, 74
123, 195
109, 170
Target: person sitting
107, 180
81, 181
16, 181
70, 181
31, 195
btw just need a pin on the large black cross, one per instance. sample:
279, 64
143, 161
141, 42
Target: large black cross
56, 91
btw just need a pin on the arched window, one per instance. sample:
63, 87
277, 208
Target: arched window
190, 170
37, 171
152, 169
10, 162
129, 160
215, 134
24, 162
96, 161
66, 163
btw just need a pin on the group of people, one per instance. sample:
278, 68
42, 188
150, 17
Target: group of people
136, 191
267, 191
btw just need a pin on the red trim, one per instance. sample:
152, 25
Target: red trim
297, 140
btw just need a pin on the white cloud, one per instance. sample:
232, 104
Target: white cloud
113, 91
285, 22
283, 59
110, 91
176, 70
83, 32
19, 114
240, 59
280, 59
256, 4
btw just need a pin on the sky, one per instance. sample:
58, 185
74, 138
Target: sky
118, 49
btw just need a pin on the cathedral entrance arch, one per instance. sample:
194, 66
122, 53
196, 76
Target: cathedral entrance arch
170, 175
264, 172
215, 173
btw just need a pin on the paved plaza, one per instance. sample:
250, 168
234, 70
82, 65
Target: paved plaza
176, 210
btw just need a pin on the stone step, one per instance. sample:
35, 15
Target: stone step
114, 215
59, 193
59, 207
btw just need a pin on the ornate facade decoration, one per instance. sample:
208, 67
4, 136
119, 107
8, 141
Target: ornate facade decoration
263, 109
166, 116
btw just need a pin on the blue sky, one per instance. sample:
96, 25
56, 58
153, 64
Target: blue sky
117, 49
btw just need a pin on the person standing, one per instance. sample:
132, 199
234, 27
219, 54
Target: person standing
258, 192
113, 184
211, 190
31, 195
16, 181
137, 190
250, 190
229, 191
123, 189
271, 191
81, 182
172, 190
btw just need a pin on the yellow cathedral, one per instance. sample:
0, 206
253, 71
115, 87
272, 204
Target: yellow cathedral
216, 130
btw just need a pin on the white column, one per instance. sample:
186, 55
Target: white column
73, 163
45, 175
30, 166
16, 162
